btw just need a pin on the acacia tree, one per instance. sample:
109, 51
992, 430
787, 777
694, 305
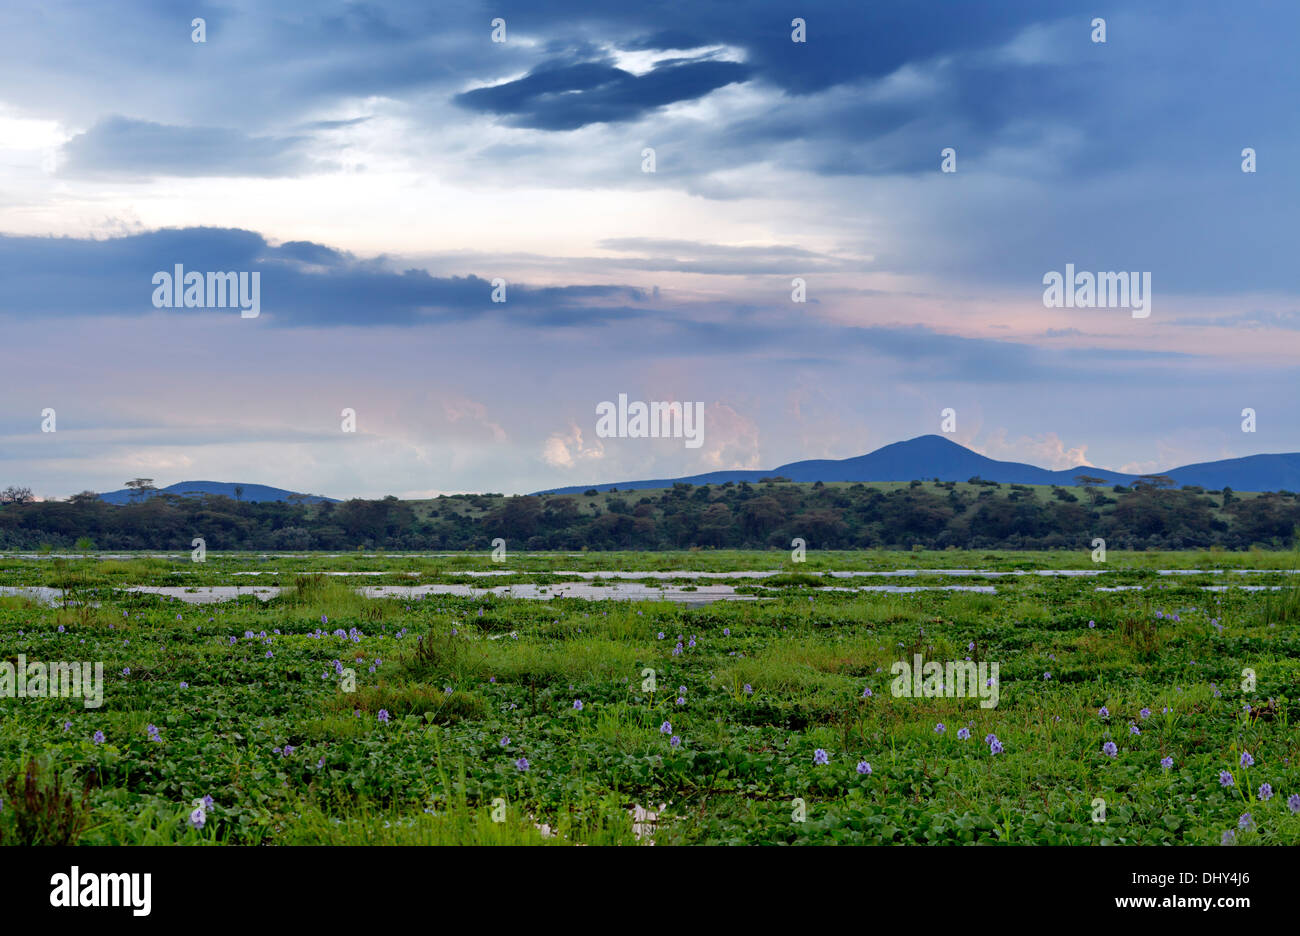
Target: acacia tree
140, 486
16, 495
1090, 483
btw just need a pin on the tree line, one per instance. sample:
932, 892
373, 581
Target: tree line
933, 515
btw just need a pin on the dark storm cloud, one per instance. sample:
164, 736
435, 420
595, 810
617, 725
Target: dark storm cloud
571, 96
302, 283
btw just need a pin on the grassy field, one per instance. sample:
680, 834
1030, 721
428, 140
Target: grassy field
321, 716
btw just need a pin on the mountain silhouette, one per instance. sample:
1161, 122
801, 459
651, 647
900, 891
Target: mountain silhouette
932, 456
250, 492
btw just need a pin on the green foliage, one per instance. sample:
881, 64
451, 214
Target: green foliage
451, 692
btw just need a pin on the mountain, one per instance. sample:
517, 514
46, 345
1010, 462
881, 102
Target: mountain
933, 456
249, 492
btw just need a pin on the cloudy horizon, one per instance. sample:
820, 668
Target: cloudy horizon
385, 167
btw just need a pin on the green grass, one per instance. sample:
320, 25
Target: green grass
290, 757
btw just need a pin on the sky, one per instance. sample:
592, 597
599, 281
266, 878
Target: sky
381, 166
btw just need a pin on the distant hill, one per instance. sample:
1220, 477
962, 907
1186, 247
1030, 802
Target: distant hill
933, 456
250, 492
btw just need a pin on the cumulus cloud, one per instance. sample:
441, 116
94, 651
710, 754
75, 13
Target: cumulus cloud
1045, 450
566, 449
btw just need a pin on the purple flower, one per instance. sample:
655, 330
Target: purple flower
1092, 623
505, 741
1246, 759
67, 725
1225, 778
521, 764
864, 768
675, 741
577, 705
666, 728
383, 714
990, 738
681, 700
1103, 712
99, 737
1110, 749
726, 632
185, 685
821, 757
208, 802
1265, 792
1134, 729
1166, 762
127, 671
197, 818
749, 690
1246, 821
939, 728
867, 693
995, 747
963, 734
1293, 802
1229, 837
1047, 676
1145, 713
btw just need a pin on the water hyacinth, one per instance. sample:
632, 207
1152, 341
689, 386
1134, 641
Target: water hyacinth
666, 728
1103, 712
821, 757
99, 737
940, 728
1166, 762
864, 768
577, 705
1293, 802
1265, 792
1246, 759
1110, 749
1225, 779
963, 734
675, 741
521, 764
198, 819
383, 715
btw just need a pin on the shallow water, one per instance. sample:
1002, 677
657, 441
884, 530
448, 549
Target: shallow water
624, 591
